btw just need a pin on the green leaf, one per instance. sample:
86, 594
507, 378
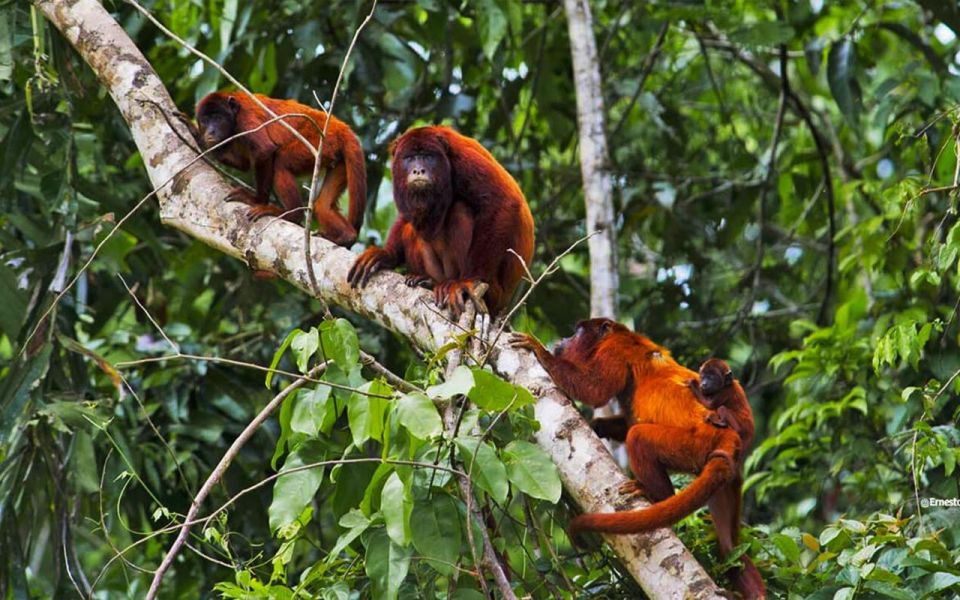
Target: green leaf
386, 565
313, 411
279, 354
437, 534
492, 25
532, 471
841, 67
292, 493
419, 415
492, 393
485, 469
366, 411
355, 522
12, 299
304, 346
763, 33
459, 383
340, 343
396, 504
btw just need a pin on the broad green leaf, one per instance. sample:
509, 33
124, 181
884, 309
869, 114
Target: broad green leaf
396, 504
419, 415
366, 411
313, 411
304, 346
437, 534
532, 471
292, 493
492, 25
340, 343
841, 75
459, 383
386, 564
485, 469
492, 393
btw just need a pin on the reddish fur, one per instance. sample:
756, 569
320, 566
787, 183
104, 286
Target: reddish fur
668, 432
726, 398
278, 157
455, 233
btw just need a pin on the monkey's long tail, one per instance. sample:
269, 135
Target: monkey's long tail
716, 473
356, 179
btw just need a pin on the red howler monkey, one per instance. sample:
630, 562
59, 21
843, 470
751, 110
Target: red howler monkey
277, 157
459, 213
668, 431
719, 391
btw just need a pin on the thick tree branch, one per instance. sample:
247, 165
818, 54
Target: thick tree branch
193, 203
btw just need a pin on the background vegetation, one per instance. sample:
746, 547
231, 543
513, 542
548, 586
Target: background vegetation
826, 271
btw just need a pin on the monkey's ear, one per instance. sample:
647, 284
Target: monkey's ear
392, 146
727, 378
605, 327
234, 104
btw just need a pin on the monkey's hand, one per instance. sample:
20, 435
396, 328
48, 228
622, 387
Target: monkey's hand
372, 260
525, 341
455, 293
417, 280
716, 420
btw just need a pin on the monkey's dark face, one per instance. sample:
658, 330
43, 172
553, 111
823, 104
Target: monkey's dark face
422, 170
217, 119
422, 179
715, 376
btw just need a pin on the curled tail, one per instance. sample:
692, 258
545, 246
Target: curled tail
715, 474
356, 165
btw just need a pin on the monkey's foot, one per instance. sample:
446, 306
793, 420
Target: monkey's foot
631, 489
242, 194
455, 293
258, 211
372, 260
716, 420
725, 455
417, 280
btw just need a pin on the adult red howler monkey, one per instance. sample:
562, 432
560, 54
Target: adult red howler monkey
719, 391
459, 213
277, 157
668, 431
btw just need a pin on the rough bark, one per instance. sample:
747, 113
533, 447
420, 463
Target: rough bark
594, 160
191, 200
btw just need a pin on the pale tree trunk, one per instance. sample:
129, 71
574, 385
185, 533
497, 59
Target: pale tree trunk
594, 160
191, 200
597, 182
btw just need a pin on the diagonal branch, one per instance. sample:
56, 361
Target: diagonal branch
192, 202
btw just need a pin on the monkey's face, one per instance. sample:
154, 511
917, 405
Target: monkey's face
217, 119
715, 376
423, 170
422, 179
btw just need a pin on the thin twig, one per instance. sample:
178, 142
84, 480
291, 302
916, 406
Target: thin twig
391, 377
222, 71
318, 157
550, 269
